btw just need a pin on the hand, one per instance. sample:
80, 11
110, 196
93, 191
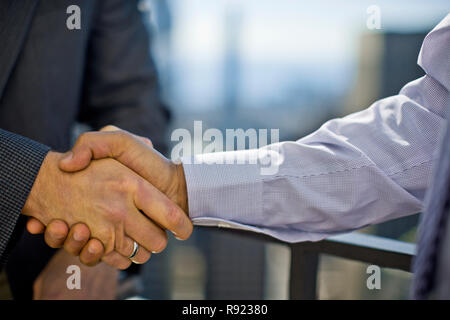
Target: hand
135, 153
90, 251
56, 234
75, 241
106, 197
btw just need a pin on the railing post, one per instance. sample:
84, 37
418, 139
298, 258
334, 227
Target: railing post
303, 273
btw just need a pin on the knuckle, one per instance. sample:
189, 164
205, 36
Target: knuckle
57, 230
125, 184
95, 249
109, 127
52, 240
116, 214
119, 134
148, 141
174, 218
106, 238
82, 232
85, 136
82, 137
123, 137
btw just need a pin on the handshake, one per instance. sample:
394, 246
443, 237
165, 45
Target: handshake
110, 199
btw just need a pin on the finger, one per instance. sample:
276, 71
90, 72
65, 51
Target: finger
104, 144
147, 141
34, 226
78, 237
110, 128
56, 233
92, 252
116, 260
142, 255
120, 145
145, 232
90, 146
162, 210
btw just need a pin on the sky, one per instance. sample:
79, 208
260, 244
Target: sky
280, 42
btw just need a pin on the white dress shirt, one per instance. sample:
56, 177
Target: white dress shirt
366, 168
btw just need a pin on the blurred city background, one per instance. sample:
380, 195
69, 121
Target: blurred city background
285, 64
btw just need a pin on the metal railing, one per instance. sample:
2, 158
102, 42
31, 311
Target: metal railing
379, 251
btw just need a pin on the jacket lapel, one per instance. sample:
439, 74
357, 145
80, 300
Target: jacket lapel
15, 19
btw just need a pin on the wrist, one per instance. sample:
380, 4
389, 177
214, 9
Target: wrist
46, 178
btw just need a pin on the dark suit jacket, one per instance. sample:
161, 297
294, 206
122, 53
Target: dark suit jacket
50, 78
431, 275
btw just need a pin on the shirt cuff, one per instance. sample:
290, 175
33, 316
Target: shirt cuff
221, 194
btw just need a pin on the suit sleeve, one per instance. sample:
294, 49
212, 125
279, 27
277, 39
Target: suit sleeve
20, 161
121, 80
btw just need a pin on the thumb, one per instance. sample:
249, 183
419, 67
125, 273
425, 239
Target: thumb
76, 160
84, 150
112, 128
91, 146
110, 142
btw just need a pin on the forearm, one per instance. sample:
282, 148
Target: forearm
366, 168
20, 161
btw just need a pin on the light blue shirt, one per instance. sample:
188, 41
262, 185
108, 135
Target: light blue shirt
366, 168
